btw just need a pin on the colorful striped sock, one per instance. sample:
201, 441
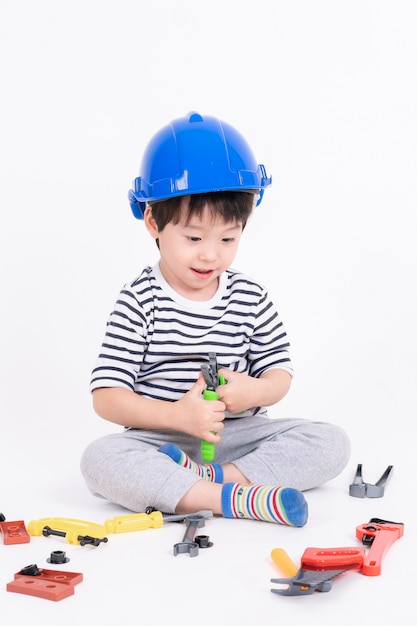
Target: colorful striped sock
208, 471
282, 505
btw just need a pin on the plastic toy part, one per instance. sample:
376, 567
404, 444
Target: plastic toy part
73, 537
284, 562
14, 532
212, 380
135, 521
75, 531
203, 541
44, 583
58, 557
360, 489
320, 565
378, 535
189, 544
196, 154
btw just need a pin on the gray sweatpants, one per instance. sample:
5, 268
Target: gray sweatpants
127, 469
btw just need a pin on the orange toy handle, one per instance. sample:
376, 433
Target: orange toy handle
283, 562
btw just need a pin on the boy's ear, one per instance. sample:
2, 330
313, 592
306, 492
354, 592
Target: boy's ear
150, 223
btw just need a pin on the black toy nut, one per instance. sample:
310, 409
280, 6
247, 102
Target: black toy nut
203, 541
31, 570
58, 557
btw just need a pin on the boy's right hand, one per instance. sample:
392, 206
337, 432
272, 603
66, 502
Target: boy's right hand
197, 417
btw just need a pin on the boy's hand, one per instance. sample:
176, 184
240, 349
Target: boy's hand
236, 394
243, 392
200, 418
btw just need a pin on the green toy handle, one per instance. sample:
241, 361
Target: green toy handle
208, 449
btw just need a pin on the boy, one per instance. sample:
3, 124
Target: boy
198, 185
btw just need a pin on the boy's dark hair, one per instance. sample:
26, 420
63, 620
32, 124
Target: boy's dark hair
231, 206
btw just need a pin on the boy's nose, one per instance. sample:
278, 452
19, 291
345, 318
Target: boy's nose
209, 253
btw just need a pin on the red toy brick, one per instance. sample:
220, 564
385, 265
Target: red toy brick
48, 584
14, 532
32, 586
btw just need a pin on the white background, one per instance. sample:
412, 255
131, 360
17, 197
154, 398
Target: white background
326, 94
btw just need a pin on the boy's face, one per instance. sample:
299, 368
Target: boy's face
193, 255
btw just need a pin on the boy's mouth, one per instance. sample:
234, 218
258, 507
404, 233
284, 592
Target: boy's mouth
202, 273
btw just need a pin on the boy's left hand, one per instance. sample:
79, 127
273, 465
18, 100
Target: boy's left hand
243, 392
238, 391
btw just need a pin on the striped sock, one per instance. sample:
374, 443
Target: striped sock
282, 505
208, 471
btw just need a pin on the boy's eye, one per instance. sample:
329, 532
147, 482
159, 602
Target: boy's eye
224, 240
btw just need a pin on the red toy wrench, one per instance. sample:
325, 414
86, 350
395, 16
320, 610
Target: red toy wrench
379, 534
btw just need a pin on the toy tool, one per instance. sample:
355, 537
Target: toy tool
359, 489
83, 533
75, 531
189, 543
320, 565
318, 568
379, 535
143, 521
213, 380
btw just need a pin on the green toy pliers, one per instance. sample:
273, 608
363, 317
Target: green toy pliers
213, 379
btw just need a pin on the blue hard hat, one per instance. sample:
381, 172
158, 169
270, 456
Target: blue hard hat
196, 154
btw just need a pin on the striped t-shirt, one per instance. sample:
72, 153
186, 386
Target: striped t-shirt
156, 340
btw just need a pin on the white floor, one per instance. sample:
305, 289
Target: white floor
135, 577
